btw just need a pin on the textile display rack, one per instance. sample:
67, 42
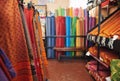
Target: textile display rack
64, 49
107, 45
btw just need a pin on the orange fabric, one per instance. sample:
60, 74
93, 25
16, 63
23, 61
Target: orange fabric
108, 25
105, 54
41, 48
12, 39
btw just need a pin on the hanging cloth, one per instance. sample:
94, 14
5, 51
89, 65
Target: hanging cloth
40, 46
12, 39
29, 17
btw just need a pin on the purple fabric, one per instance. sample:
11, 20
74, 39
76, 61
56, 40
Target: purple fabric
7, 63
3, 76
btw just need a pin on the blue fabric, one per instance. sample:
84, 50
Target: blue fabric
7, 63
68, 27
3, 77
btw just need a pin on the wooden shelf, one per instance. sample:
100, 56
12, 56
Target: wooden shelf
69, 48
100, 61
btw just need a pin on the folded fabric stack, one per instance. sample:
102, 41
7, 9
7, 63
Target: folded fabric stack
110, 27
105, 55
98, 75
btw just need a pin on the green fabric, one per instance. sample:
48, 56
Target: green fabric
56, 12
59, 11
115, 70
73, 33
63, 12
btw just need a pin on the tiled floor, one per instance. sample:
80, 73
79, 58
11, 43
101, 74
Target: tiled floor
68, 70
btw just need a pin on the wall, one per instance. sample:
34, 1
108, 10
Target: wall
52, 6
57, 4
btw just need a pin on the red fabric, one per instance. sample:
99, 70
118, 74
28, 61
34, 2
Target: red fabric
60, 30
106, 2
29, 17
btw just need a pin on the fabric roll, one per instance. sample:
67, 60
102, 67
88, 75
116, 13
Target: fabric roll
56, 12
76, 12
71, 12
77, 38
53, 34
62, 12
85, 21
73, 33
68, 29
80, 12
79, 31
107, 23
67, 12
90, 23
60, 30
48, 39
13, 40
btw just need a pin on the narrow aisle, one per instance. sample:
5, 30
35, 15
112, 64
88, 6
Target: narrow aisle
70, 70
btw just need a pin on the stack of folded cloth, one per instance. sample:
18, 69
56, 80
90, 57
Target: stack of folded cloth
7, 72
110, 27
99, 75
105, 55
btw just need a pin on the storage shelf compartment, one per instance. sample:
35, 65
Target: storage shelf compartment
99, 61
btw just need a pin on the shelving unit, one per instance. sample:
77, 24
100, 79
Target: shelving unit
110, 43
100, 61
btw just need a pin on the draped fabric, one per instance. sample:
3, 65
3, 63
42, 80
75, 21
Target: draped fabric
29, 17
40, 46
12, 39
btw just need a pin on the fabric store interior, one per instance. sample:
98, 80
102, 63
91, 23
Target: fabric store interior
59, 40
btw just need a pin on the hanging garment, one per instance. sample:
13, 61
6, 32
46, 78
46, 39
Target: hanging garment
29, 17
13, 40
40, 46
